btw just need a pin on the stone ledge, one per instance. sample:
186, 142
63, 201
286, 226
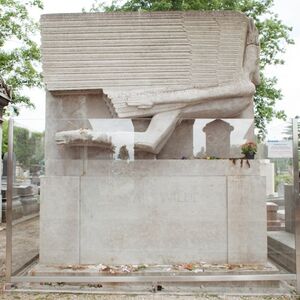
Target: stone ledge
196, 167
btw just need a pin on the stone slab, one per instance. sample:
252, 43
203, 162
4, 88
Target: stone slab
194, 167
153, 219
164, 211
247, 225
281, 248
59, 226
267, 169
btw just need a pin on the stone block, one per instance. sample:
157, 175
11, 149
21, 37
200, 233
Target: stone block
64, 167
30, 205
59, 220
272, 209
267, 170
247, 226
156, 212
153, 219
170, 167
17, 209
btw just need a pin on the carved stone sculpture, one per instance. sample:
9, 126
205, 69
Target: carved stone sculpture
84, 137
195, 65
121, 82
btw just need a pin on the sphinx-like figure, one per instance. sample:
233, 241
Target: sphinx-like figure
221, 101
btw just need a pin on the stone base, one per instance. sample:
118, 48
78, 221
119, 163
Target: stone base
155, 212
17, 209
30, 205
281, 248
274, 222
160, 287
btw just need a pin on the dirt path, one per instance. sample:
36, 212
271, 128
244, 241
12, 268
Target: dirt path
25, 239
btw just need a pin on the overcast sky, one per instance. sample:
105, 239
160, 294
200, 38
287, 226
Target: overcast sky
288, 74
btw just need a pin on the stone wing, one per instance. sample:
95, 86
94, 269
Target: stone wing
125, 54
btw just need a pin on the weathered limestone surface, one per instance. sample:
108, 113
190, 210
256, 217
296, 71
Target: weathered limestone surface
155, 212
166, 66
218, 138
160, 49
247, 227
267, 169
170, 67
60, 219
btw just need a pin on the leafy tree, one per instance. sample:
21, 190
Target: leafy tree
28, 146
4, 137
19, 54
274, 36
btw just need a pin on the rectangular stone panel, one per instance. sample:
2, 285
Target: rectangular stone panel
59, 220
153, 219
247, 226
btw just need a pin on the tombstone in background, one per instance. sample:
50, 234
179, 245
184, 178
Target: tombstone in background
25, 194
274, 222
267, 169
35, 171
17, 209
29, 198
280, 189
218, 138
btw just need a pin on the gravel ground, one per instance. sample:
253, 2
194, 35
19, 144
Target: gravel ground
25, 240
148, 297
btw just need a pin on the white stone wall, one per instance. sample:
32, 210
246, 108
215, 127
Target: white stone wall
154, 212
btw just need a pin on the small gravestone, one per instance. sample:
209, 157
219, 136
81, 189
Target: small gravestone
29, 198
218, 138
17, 208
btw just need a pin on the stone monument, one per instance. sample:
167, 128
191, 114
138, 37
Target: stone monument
25, 200
145, 77
218, 138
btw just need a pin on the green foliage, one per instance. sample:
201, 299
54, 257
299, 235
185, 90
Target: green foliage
283, 178
19, 54
274, 36
249, 148
4, 137
28, 146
